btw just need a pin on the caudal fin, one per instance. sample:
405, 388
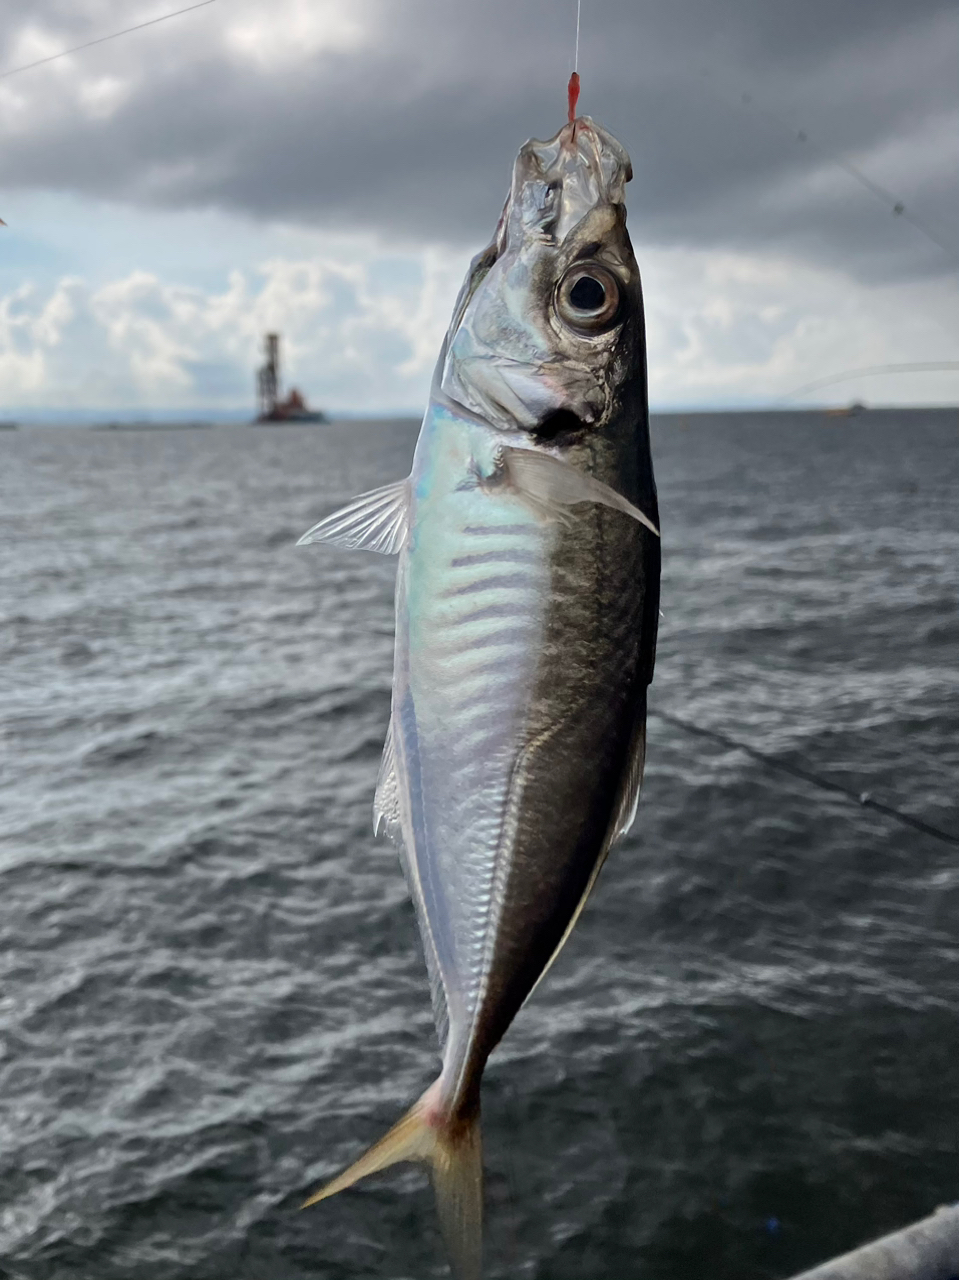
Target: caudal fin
453, 1151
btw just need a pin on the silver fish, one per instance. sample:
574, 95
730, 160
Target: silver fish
527, 602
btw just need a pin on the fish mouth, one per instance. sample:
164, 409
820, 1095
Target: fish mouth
558, 182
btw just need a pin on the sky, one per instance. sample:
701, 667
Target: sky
327, 168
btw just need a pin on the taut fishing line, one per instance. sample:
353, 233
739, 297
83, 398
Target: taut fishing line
921, 366
572, 89
889, 198
863, 798
152, 22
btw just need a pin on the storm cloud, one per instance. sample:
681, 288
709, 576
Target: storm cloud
402, 118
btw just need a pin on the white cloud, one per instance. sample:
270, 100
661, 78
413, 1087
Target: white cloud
362, 326
726, 328
291, 30
99, 98
361, 330
31, 328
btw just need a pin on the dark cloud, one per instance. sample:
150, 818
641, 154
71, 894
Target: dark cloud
412, 132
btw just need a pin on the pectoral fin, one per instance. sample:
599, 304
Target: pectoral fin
552, 485
374, 521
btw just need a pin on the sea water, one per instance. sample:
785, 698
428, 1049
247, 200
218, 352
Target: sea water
212, 994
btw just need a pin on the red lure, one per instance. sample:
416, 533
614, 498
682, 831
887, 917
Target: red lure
572, 92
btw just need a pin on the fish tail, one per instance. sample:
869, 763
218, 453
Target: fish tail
457, 1169
452, 1148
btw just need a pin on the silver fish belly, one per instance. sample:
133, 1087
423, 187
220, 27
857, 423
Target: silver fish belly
526, 610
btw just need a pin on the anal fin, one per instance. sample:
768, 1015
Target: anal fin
386, 801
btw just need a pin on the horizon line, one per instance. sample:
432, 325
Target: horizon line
50, 416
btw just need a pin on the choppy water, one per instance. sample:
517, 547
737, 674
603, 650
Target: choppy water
211, 993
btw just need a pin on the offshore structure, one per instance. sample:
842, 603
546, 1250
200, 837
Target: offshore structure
271, 408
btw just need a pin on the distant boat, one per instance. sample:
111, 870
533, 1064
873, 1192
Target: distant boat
273, 409
8, 426
848, 411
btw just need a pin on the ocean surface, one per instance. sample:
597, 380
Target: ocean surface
211, 989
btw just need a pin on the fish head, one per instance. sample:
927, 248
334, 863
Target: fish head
548, 332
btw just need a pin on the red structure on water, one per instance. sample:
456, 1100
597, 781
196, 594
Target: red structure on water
271, 407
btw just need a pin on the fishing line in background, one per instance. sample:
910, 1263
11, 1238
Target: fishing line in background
862, 798
151, 22
919, 366
888, 198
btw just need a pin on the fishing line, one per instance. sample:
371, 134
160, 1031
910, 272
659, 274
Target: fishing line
862, 798
888, 198
152, 22
926, 366
572, 89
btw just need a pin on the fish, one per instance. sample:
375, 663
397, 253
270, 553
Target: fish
527, 603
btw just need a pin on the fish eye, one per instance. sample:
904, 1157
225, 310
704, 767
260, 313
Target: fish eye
587, 298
